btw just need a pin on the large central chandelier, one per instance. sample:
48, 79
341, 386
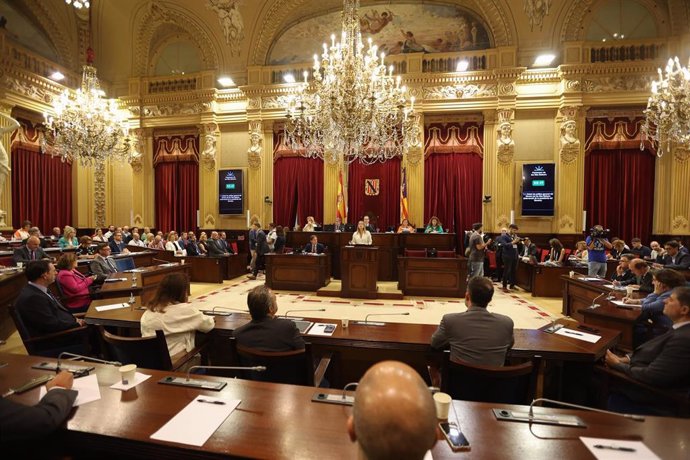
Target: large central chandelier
353, 108
668, 109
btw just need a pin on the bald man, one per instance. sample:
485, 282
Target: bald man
30, 251
393, 414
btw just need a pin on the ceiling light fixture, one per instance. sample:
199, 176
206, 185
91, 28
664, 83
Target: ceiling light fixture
57, 76
226, 82
544, 60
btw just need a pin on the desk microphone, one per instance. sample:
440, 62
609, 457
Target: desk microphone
206, 384
212, 312
312, 309
342, 400
637, 418
85, 358
594, 304
228, 368
366, 318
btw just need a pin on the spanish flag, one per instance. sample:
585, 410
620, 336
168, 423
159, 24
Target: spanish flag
341, 208
404, 213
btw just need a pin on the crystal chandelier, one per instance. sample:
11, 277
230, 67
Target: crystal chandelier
353, 109
668, 109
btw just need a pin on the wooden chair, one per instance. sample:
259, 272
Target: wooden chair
446, 254
51, 345
293, 367
145, 352
415, 252
473, 382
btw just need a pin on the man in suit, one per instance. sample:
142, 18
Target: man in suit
261, 250
509, 253
30, 251
35, 231
476, 336
338, 226
624, 276
214, 246
393, 415
643, 276
224, 243
661, 362
192, 247
265, 331
314, 247
19, 422
40, 312
674, 258
103, 264
118, 245
529, 249
367, 225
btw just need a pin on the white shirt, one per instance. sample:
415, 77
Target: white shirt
136, 243
363, 239
677, 325
271, 239
175, 247
178, 323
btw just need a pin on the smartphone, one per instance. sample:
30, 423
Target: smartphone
329, 328
454, 436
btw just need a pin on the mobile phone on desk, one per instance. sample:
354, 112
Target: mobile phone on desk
456, 439
329, 328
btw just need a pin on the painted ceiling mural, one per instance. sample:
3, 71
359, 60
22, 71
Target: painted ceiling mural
402, 28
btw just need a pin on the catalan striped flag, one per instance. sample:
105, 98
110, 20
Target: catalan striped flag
404, 212
341, 207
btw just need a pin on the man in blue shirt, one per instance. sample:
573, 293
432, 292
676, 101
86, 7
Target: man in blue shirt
597, 245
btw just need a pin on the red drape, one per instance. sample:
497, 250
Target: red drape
384, 208
41, 189
177, 195
619, 191
297, 190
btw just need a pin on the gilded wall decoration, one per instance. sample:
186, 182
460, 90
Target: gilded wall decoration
28, 89
231, 22
680, 223
255, 144
618, 83
275, 102
506, 89
536, 11
210, 221
209, 134
502, 221
505, 145
681, 155
167, 110
138, 148
99, 194
570, 144
566, 222
459, 91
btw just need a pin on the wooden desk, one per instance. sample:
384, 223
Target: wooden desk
11, 283
280, 421
147, 281
359, 270
298, 272
543, 280
426, 276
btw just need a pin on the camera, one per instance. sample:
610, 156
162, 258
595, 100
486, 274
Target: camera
595, 232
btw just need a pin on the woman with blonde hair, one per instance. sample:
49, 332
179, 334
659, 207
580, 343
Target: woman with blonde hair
361, 235
69, 238
581, 251
310, 226
203, 244
174, 245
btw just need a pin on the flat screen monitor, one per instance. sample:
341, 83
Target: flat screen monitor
538, 184
231, 191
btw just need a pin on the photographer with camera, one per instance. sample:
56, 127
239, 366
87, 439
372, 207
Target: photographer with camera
597, 244
509, 252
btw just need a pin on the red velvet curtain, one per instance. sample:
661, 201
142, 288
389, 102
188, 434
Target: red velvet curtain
41, 189
383, 209
177, 195
297, 190
619, 191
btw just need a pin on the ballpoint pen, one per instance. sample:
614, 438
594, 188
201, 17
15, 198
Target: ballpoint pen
572, 332
220, 403
622, 449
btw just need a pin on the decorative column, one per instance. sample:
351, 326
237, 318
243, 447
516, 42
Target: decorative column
7, 126
142, 177
260, 166
209, 135
672, 188
570, 170
331, 166
499, 167
414, 159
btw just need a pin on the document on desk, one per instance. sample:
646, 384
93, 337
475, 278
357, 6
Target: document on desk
86, 386
197, 422
114, 306
591, 278
620, 303
615, 449
323, 329
579, 335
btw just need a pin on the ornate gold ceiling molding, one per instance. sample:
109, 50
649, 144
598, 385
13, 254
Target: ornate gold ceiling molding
39, 12
162, 14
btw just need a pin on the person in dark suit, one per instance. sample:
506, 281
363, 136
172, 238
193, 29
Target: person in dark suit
118, 245
40, 312
370, 228
314, 247
18, 421
509, 244
661, 362
224, 243
280, 240
643, 276
674, 258
214, 246
623, 275
338, 226
529, 250
476, 336
35, 231
265, 331
103, 264
30, 251
192, 246
261, 250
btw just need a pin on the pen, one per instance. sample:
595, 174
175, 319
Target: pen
220, 403
572, 332
622, 449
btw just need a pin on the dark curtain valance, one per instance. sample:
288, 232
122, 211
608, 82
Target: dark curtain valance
453, 137
176, 148
617, 133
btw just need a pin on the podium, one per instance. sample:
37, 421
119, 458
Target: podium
359, 267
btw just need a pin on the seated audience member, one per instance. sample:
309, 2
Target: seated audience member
529, 250
639, 250
279, 244
203, 244
182, 239
434, 226
192, 247
556, 253
261, 251
223, 240
74, 285
85, 248
103, 264
30, 251
169, 312
271, 237
157, 243
393, 416
310, 226
657, 251
361, 235
338, 225
136, 240
619, 247
476, 336
643, 276
56, 235
661, 362
265, 331
69, 238
214, 246
314, 247
145, 235
367, 225
126, 234
21, 422
40, 312
109, 234
581, 251
664, 282
674, 258
23, 233
35, 231
624, 276
117, 245
405, 227
174, 245
99, 236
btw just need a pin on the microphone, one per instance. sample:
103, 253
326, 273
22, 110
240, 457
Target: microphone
206, 384
85, 358
228, 368
311, 309
213, 312
594, 304
342, 400
637, 418
366, 318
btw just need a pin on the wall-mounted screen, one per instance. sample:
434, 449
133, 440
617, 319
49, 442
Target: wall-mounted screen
231, 191
538, 184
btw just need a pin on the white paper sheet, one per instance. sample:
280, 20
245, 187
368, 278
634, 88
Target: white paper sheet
86, 386
579, 335
620, 303
138, 378
641, 451
114, 280
113, 306
318, 329
197, 422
